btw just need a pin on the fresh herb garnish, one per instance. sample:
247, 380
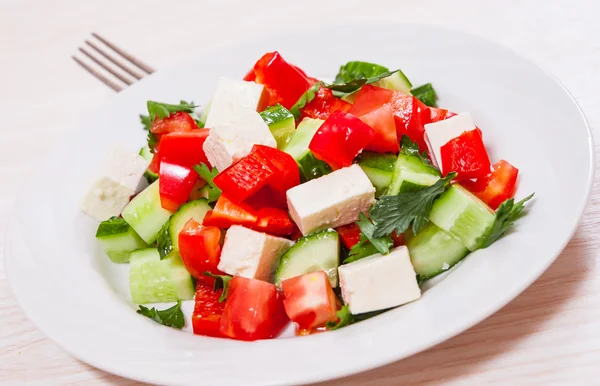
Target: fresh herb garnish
360, 250
207, 175
152, 141
305, 98
171, 317
344, 318
221, 281
343, 89
356, 69
113, 225
146, 121
163, 242
506, 215
408, 147
398, 212
425, 94
368, 245
163, 110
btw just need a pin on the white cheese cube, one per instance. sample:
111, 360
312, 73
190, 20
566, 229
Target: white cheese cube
378, 282
234, 94
331, 201
251, 254
440, 133
121, 177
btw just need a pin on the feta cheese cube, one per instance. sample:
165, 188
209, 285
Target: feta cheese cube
252, 254
234, 94
378, 282
440, 133
121, 177
331, 201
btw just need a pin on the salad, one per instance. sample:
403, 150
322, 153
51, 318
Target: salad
287, 198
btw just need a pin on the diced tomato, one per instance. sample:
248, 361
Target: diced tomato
175, 185
497, 186
411, 115
350, 235
296, 234
254, 310
227, 213
200, 250
310, 300
185, 149
285, 82
438, 114
340, 139
206, 319
154, 164
177, 122
274, 221
370, 98
323, 104
398, 239
466, 155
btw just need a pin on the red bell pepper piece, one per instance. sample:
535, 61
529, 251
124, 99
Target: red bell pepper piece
340, 139
285, 82
200, 250
254, 310
438, 114
497, 186
184, 148
274, 221
227, 213
206, 319
288, 174
175, 185
350, 235
177, 122
323, 104
411, 115
466, 155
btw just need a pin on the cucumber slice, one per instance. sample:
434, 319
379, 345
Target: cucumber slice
297, 147
411, 173
195, 209
204, 114
397, 82
281, 123
315, 252
152, 280
118, 239
433, 251
145, 214
379, 168
148, 155
463, 215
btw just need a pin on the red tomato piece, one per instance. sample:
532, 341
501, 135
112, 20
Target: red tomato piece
323, 104
200, 250
497, 186
285, 82
398, 239
155, 163
340, 139
370, 98
177, 122
466, 155
254, 310
206, 319
350, 235
274, 221
309, 300
175, 184
411, 115
184, 148
296, 234
438, 114
227, 213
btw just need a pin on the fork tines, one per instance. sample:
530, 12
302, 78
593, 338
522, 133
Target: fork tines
111, 65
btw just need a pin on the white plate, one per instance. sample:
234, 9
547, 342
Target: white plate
72, 293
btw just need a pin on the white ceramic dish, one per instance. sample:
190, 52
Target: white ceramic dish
71, 291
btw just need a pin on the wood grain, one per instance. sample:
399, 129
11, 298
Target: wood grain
549, 335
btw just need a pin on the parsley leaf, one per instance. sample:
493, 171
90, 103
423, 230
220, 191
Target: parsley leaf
112, 226
408, 147
344, 318
221, 281
207, 175
398, 212
349, 87
152, 140
506, 215
171, 317
305, 98
356, 69
146, 121
163, 242
163, 110
360, 250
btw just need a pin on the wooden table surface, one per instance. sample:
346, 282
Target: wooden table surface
549, 335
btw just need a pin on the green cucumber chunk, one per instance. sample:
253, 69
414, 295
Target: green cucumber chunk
281, 124
152, 280
426, 94
145, 214
118, 239
297, 147
397, 82
379, 168
194, 209
463, 215
315, 252
433, 251
411, 171
148, 155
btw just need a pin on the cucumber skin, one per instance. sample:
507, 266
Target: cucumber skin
194, 209
431, 248
152, 280
147, 155
409, 169
281, 124
310, 167
385, 161
379, 178
397, 82
118, 247
332, 274
145, 214
298, 144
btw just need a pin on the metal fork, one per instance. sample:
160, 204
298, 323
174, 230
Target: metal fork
120, 67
